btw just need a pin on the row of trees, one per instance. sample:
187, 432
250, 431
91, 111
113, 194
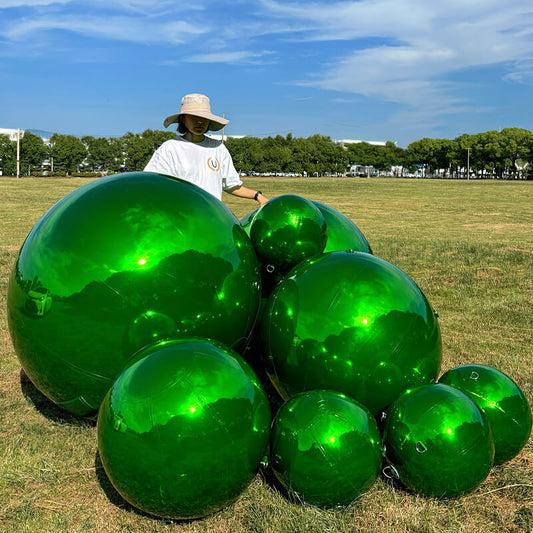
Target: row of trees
492, 153
70, 154
489, 154
312, 155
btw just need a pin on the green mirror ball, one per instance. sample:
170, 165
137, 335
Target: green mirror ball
325, 448
502, 401
270, 274
286, 230
183, 429
438, 441
246, 220
350, 322
342, 233
118, 264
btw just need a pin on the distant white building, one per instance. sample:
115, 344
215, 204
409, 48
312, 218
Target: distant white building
344, 142
12, 133
221, 137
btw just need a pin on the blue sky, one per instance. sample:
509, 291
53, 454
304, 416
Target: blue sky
380, 70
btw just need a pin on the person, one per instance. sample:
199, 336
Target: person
196, 158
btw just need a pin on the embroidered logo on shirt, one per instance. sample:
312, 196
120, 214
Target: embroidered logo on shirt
213, 164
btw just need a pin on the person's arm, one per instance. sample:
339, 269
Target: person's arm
244, 192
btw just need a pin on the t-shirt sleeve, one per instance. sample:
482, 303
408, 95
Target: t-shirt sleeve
230, 177
159, 162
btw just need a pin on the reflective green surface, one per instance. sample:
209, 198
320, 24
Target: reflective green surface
183, 430
271, 275
502, 401
325, 448
286, 230
350, 322
117, 264
343, 234
438, 441
246, 220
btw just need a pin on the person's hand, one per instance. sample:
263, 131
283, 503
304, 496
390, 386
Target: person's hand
262, 199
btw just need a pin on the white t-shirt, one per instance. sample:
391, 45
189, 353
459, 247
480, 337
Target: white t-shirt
207, 164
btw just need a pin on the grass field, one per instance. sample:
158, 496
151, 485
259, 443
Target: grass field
468, 245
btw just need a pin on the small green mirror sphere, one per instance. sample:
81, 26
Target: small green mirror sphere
118, 264
287, 230
325, 448
351, 322
343, 234
502, 401
438, 441
183, 430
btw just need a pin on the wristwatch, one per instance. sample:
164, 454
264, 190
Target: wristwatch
257, 194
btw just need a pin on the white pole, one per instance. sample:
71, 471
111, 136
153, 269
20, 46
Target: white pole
18, 153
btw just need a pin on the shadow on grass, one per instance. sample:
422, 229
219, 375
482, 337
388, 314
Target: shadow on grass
118, 501
111, 493
269, 478
48, 408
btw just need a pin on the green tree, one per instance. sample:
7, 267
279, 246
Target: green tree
517, 143
8, 156
322, 153
486, 152
68, 152
33, 152
116, 161
380, 157
465, 152
363, 153
139, 147
301, 156
435, 154
393, 156
247, 153
277, 154
101, 153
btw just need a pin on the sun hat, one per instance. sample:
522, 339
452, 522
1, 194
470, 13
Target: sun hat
199, 106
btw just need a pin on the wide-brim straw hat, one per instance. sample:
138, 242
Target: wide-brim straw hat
199, 106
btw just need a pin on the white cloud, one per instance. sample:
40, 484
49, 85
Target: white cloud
422, 45
402, 51
150, 8
521, 72
30, 3
122, 28
145, 6
243, 56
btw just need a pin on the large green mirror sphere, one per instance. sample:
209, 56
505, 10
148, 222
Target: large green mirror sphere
118, 264
438, 441
183, 430
325, 448
502, 401
287, 230
350, 322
